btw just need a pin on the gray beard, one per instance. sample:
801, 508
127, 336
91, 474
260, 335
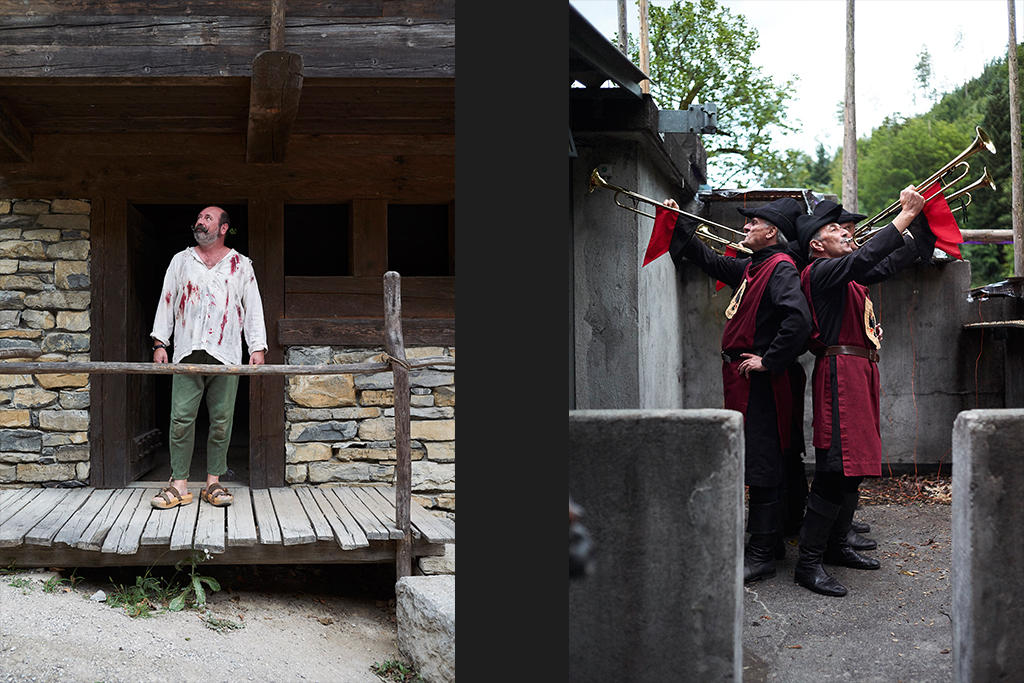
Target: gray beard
204, 239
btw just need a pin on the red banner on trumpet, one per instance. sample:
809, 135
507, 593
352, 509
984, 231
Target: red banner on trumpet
941, 221
661, 238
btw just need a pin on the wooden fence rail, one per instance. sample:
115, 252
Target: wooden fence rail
393, 359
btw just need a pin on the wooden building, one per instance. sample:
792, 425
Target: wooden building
325, 129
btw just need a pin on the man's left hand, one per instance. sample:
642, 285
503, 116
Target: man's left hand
751, 363
256, 358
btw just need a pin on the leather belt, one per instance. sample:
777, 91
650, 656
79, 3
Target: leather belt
862, 352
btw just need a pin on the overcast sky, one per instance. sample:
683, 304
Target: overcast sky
807, 38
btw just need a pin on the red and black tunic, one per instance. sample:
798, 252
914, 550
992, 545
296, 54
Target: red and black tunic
845, 384
771, 321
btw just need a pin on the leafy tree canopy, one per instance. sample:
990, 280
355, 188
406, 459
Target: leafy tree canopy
701, 52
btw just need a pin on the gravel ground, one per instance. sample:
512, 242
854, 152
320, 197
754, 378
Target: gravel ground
308, 623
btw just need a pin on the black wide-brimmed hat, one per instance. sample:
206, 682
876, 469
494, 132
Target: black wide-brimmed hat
807, 225
845, 216
782, 213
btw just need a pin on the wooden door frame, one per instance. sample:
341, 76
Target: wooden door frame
108, 428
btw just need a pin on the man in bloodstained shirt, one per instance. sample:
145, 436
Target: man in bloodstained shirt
845, 383
209, 300
767, 326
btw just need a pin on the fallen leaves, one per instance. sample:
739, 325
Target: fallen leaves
906, 488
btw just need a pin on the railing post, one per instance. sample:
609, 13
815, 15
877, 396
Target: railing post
395, 347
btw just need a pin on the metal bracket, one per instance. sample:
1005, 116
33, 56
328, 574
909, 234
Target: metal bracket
699, 118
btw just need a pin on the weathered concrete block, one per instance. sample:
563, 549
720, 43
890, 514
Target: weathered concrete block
432, 430
425, 612
69, 206
443, 564
662, 491
322, 391
988, 598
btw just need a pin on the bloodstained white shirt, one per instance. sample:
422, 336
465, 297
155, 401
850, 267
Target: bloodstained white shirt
209, 309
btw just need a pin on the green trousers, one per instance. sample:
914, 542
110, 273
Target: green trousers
186, 395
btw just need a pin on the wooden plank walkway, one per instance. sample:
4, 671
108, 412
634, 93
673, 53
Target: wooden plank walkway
288, 525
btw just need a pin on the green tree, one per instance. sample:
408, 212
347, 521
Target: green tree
798, 169
701, 52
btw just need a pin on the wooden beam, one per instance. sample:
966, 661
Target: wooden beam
363, 331
14, 137
277, 25
273, 104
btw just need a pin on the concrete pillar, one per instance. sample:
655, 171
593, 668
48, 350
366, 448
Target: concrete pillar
988, 595
662, 493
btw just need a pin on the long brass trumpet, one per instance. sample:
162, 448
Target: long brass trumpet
702, 230
981, 141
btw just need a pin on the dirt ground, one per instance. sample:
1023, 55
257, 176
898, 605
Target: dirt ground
284, 623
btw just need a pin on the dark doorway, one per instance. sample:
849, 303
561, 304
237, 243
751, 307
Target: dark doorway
166, 231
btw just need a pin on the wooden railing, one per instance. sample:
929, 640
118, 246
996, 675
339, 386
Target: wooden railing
392, 359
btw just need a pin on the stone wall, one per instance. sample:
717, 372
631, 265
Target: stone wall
44, 305
340, 429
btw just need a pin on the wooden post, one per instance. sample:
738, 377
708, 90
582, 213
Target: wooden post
849, 199
277, 24
395, 347
623, 30
645, 47
1017, 199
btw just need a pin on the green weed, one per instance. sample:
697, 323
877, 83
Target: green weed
397, 671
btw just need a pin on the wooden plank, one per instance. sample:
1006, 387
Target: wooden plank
71, 532
132, 536
71, 11
15, 139
374, 530
346, 532
321, 527
376, 506
241, 523
274, 93
120, 526
94, 534
11, 496
266, 520
389, 506
347, 296
16, 505
185, 523
159, 526
363, 331
211, 527
295, 526
12, 532
323, 552
435, 529
369, 239
43, 532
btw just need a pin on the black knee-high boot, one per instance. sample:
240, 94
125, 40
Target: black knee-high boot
759, 555
839, 551
854, 538
818, 522
794, 495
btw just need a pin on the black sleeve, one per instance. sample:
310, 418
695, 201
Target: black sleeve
724, 268
795, 323
834, 272
918, 243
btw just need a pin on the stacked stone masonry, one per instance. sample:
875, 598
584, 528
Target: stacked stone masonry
341, 428
44, 306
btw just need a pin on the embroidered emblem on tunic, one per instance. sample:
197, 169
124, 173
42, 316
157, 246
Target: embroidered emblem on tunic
736, 298
870, 324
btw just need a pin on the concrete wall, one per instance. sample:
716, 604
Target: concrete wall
668, 344
988, 600
662, 494
633, 326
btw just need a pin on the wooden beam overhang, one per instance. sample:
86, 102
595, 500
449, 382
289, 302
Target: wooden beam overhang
273, 104
15, 139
